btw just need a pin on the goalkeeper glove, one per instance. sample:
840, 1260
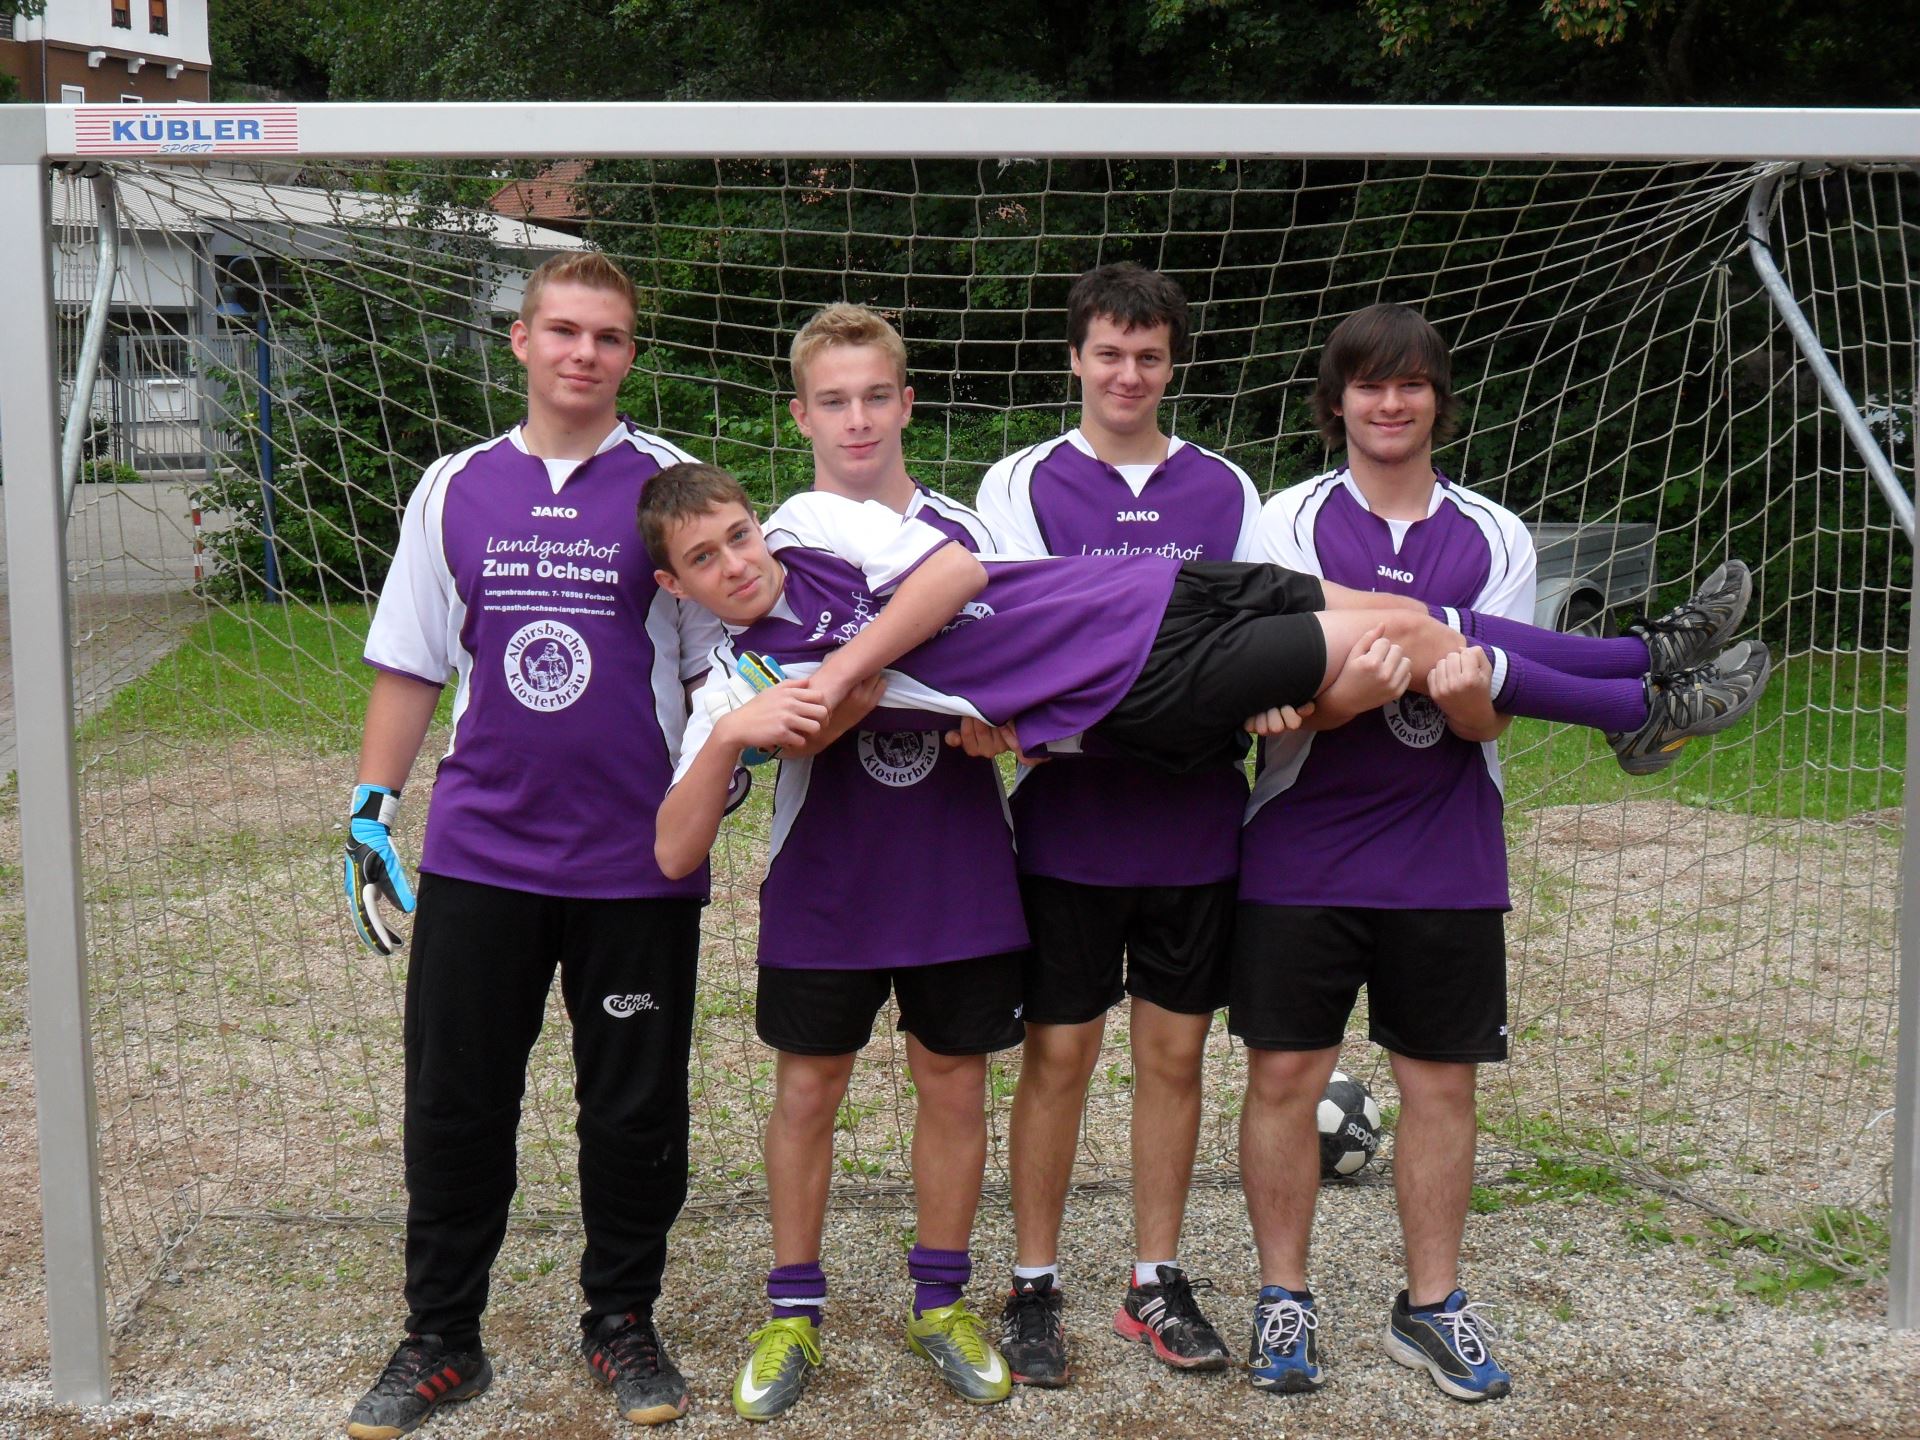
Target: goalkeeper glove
751, 674
373, 869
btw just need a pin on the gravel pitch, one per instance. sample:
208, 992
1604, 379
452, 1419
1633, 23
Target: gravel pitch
272, 1330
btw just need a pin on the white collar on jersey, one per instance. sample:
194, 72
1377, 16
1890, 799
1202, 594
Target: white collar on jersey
561, 471
1080, 442
1434, 498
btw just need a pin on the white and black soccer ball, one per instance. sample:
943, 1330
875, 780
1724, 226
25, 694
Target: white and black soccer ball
1349, 1121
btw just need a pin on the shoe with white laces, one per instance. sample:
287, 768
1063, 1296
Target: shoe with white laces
1693, 632
1453, 1344
1286, 1351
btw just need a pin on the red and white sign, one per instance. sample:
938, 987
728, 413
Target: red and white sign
186, 129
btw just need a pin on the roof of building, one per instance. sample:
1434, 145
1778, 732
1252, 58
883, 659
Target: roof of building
547, 195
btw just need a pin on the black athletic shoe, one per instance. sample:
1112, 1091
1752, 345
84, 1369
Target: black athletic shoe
1693, 702
1032, 1337
1167, 1317
625, 1353
1693, 633
424, 1372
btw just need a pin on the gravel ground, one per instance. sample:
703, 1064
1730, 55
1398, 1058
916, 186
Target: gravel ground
271, 1330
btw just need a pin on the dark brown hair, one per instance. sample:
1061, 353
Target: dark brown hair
677, 494
1134, 298
1384, 342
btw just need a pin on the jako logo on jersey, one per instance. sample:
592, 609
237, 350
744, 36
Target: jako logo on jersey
548, 665
899, 758
1387, 572
1127, 515
555, 512
621, 1006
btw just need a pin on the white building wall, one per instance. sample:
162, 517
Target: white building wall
89, 23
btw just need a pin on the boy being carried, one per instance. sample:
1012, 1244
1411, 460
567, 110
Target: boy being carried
1166, 659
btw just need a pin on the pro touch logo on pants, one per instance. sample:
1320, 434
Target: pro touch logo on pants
621, 1006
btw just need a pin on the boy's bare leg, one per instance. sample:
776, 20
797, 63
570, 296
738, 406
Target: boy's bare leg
1280, 1156
1044, 1133
799, 1150
949, 1143
1423, 640
1167, 1052
1433, 1171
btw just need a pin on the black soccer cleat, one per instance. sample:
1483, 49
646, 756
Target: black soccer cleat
1692, 633
1693, 702
625, 1353
1166, 1316
1032, 1336
424, 1372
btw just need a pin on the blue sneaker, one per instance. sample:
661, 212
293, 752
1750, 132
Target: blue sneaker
1452, 1344
1286, 1355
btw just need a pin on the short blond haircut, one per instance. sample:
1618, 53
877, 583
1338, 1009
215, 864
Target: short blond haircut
582, 267
844, 324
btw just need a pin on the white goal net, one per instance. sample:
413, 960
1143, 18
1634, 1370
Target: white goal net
1703, 967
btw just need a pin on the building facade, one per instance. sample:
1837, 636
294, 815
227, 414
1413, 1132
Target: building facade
103, 51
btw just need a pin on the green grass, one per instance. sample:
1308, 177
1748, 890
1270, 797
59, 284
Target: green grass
252, 669
1827, 741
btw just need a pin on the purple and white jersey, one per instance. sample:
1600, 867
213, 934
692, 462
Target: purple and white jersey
889, 849
1391, 811
1109, 820
525, 580
1049, 645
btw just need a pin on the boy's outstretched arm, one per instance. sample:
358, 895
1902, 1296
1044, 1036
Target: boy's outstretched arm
918, 609
689, 818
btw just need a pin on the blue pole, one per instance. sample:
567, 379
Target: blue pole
263, 381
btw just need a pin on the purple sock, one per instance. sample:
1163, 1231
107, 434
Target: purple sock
797, 1290
938, 1276
1526, 687
1622, 657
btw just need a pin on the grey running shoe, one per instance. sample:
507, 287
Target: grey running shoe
1690, 634
1693, 702
786, 1352
952, 1339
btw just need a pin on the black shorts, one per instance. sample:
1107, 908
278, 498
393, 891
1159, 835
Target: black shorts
961, 1007
1177, 941
1436, 979
1236, 640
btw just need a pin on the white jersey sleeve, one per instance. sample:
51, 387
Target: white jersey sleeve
1005, 502
1509, 591
416, 620
1277, 536
1243, 548
865, 533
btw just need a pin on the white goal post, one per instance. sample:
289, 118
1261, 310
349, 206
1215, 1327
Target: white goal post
32, 373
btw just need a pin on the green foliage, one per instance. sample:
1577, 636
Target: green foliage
104, 471
378, 370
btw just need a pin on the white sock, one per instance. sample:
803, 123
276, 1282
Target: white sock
1147, 1272
1034, 1272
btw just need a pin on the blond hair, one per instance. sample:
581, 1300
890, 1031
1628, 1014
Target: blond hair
582, 267
844, 324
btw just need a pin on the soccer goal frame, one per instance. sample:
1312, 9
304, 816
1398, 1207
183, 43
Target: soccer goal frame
34, 137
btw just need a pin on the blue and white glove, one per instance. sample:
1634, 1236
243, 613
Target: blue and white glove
373, 870
752, 673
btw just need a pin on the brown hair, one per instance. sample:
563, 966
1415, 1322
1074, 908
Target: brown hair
844, 324
1134, 298
582, 267
678, 494
1384, 342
